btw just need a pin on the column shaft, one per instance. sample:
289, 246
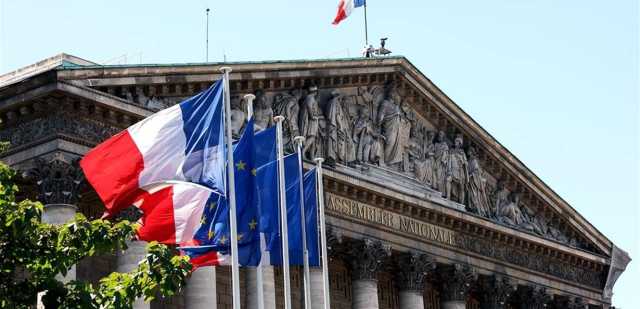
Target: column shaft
128, 260
317, 288
365, 294
200, 292
268, 287
411, 300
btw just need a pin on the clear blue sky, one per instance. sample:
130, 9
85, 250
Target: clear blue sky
556, 82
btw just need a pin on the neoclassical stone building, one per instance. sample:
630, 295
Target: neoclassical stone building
425, 208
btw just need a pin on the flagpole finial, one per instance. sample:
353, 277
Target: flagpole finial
278, 118
249, 99
299, 139
225, 69
318, 160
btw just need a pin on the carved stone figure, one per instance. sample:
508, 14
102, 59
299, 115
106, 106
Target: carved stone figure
238, 116
413, 150
339, 143
458, 172
534, 222
510, 213
363, 136
424, 168
141, 98
441, 167
390, 122
500, 198
262, 112
286, 104
478, 197
311, 121
155, 103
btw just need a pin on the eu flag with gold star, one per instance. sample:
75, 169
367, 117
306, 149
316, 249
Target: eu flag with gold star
214, 233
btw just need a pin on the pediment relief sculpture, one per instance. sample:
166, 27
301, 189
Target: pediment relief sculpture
374, 127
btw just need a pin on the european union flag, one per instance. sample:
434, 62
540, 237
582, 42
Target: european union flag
292, 179
214, 232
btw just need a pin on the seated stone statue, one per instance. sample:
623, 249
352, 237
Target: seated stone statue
510, 213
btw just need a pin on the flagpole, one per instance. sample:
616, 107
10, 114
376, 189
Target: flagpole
305, 251
323, 234
283, 214
366, 29
259, 279
233, 224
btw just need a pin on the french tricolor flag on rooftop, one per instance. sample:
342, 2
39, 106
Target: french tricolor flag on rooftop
182, 143
345, 7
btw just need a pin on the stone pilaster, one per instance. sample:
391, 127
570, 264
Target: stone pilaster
495, 292
413, 268
367, 258
457, 281
200, 292
532, 297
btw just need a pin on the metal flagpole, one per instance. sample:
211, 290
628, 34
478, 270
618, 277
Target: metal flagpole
283, 214
233, 224
207, 39
259, 280
366, 30
303, 222
323, 233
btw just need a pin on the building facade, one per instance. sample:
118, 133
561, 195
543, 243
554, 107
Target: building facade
425, 209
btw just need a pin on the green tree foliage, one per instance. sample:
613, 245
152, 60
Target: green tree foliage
32, 253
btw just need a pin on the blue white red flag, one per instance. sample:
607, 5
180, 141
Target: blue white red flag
180, 143
345, 7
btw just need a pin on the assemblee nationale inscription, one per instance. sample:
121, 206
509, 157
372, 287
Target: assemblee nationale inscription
397, 222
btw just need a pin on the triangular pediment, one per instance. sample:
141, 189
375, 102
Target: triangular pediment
377, 119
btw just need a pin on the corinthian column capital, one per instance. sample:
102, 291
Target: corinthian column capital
495, 292
457, 281
58, 181
367, 258
413, 268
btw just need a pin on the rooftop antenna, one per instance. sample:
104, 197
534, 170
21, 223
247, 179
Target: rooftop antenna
207, 37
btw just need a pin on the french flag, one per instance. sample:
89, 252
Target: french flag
180, 143
345, 7
172, 214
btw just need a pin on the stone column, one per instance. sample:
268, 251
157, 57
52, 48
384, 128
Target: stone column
495, 292
367, 258
128, 260
200, 292
457, 280
412, 270
58, 182
317, 288
268, 287
58, 214
532, 297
